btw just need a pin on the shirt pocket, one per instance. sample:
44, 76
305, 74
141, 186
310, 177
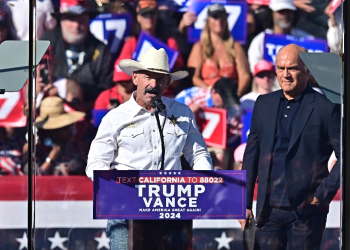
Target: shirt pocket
133, 140
175, 139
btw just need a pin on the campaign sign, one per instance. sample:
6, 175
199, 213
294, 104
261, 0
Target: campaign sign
11, 109
146, 41
273, 43
237, 23
246, 121
169, 195
111, 29
212, 123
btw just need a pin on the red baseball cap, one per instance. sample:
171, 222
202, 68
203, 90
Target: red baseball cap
145, 6
75, 7
263, 65
119, 75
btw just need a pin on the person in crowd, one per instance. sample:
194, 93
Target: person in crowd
58, 152
67, 89
282, 24
293, 133
120, 93
11, 144
149, 22
222, 95
263, 83
79, 56
18, 11
217, 54
4, 28
119, 144
238, 156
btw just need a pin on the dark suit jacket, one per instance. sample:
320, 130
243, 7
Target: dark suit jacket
315, 135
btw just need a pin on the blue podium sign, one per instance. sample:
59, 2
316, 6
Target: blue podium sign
273, 43
111, 29
146, 41
237, 20
169, 195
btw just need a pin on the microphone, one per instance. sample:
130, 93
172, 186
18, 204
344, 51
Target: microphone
158, 104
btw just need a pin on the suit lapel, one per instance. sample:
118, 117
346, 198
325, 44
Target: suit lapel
271, 111
302, 117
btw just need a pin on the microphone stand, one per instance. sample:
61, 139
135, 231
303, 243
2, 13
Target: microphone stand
161, 137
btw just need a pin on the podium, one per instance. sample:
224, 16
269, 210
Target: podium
160, 234
161, 204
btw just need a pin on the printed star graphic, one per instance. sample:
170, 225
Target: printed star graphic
224, 241
169, 172
164, 172
173, 120
174, 172
103, 241
23, 241
179, 173
57, 241
160, 172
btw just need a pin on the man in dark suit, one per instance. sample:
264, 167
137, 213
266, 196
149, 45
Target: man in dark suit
293, 133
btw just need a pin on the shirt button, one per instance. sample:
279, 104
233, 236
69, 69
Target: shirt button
155, 147
288, 107
154, 130
132, 134
155, 163
285, 115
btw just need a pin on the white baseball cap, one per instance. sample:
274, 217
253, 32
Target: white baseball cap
277, 5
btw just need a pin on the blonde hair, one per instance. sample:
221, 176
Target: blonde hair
208, 48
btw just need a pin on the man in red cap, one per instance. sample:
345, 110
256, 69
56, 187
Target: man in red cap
78, 54
120, 93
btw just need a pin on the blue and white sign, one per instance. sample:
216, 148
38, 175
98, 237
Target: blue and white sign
111, 29
146, 41
237, 20
273, 43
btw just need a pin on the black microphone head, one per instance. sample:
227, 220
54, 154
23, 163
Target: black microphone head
156, 99
158, 104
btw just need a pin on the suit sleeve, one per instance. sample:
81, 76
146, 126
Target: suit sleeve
251, 156
330, 185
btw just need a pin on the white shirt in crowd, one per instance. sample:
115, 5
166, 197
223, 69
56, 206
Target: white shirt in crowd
128, 139
256, 48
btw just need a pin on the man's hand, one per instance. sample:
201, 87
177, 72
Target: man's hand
304, 5
248, 220
315, 201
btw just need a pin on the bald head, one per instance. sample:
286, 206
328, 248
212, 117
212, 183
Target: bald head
292, 49
292, 74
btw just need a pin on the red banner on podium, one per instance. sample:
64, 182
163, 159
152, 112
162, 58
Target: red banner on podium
212, 124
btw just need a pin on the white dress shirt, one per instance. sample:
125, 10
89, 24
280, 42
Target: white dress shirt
128, 139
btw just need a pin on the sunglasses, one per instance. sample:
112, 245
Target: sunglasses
219, 16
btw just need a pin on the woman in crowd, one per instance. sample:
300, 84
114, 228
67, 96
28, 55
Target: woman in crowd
218, 55
263, 83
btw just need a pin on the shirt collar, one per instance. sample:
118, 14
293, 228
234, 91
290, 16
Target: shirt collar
299, 98
136, 108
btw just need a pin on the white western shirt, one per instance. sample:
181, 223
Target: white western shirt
128, 139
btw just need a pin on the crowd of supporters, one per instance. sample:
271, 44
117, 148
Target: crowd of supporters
79, 74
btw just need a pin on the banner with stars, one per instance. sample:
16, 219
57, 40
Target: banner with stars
169, 195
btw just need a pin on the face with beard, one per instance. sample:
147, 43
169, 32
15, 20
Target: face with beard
149, 84
74, 28
283, 18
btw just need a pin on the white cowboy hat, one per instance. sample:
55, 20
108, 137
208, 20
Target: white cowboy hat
53, 116
153, 60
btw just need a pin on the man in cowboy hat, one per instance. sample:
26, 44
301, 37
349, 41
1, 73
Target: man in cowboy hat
128, 136
78, 54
